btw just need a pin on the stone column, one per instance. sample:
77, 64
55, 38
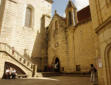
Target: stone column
34, 70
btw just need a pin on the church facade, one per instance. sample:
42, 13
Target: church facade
80, 39
70, 41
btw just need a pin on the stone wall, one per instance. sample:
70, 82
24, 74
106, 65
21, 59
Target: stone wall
6, 58
73, 45
101, 17
100, 11
13, 30
57, 43
85, 45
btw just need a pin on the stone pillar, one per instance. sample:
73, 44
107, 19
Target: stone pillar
34, 70
2, 63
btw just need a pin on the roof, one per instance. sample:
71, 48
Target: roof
60, 17
70, 5
57, 15
84, 14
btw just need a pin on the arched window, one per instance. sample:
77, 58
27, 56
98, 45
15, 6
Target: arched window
70, 18
28, 17
56, 25
56, 28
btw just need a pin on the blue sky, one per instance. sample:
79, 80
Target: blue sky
60, 5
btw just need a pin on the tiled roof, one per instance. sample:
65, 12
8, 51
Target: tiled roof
84, 14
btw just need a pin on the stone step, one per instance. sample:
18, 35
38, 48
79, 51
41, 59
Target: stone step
78, 74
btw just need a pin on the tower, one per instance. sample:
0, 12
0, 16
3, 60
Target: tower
71, 14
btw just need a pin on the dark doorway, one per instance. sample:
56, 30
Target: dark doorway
78, 68
57, 65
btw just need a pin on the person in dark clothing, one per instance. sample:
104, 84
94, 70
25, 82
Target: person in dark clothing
13, 74
93, 72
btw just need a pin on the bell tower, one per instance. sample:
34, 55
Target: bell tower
71, 14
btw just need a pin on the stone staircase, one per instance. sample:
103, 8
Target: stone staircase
16, 56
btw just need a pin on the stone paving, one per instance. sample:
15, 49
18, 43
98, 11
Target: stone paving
58, 80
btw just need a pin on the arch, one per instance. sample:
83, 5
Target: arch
11, 65
29, 16
108, 63
7, 58
57, 64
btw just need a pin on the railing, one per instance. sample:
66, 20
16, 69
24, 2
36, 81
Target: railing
4, 47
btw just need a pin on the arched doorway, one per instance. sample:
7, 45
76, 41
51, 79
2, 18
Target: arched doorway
109, 61
10, 65
108, 64
57, 65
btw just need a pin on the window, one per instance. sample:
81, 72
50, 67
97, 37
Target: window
28, 17
70, 18
78, 68
56, 26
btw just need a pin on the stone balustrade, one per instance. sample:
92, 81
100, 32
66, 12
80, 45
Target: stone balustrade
4, 47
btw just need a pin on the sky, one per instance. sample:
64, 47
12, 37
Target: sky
60, 5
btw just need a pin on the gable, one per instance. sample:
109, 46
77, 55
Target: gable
55, 18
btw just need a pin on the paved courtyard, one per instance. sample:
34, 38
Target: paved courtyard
58, 80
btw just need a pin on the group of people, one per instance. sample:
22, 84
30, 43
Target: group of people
10, 73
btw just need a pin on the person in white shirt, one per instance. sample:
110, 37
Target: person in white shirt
13, 73
7, 73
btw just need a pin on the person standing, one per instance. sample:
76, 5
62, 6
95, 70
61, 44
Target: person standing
10, 73
93, 71
13, 73
56, 67
7, 73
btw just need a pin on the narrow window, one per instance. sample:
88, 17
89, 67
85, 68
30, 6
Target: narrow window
56, 29
70, 18
28, 19
56, 26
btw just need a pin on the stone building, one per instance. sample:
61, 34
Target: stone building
101, 19
21, 18
70, 41
39, 53
19, 24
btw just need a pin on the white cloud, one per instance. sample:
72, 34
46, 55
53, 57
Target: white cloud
64, 15
81, 3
